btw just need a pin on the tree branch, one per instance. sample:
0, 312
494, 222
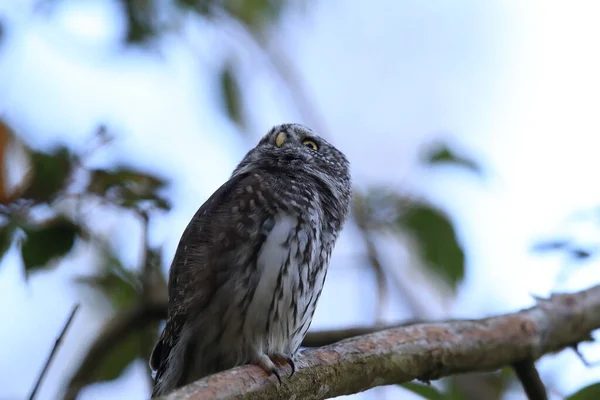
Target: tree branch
530, 379
324, 338
422, 351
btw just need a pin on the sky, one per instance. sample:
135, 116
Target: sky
513, 84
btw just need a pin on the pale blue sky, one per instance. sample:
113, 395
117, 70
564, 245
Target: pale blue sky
513, 83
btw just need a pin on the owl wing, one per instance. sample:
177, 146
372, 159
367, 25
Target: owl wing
202, 261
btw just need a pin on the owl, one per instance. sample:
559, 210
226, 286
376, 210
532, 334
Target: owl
251, 264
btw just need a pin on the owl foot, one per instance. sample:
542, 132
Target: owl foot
282, 360
268, 364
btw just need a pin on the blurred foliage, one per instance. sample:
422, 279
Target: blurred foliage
128, 188
6, 234
442, 154
135, 344
48, 186
5, 135
489, 386
145, 18
591, 392
256, 14
232, 95
50, 240
141, 20
121, 285
429, 227
437, 240
425, 391
48, 174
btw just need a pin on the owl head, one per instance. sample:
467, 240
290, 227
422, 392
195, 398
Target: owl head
300, 152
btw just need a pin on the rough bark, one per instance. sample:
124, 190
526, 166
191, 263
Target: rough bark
422, 351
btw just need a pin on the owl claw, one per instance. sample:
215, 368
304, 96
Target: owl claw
267, 364
292, 365
276, 373
282, 360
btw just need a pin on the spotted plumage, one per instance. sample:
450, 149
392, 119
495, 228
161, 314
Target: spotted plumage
251, 264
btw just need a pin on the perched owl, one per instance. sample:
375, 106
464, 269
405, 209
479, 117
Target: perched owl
250, 266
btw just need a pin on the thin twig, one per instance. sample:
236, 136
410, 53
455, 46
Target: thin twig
146, 268
54, 348
589, 364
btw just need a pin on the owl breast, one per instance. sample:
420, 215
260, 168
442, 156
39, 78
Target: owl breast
292, 274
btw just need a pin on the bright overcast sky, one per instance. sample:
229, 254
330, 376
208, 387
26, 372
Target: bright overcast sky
515, 84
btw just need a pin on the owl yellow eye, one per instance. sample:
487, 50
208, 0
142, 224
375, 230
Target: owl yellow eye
311, 144
280, 139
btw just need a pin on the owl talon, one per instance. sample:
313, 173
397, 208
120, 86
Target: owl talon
267, 365
292, 365
276, 373
282, 360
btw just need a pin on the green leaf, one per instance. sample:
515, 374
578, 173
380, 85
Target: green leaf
255, 14
43, 243
140, 21
591, 392
442, 154
119, 285
122, 288
102, 181
131, 347
49, 173
425, 391
201, 7
128, 187
491, 385
6, 136
119, 291
6, 235
231, 94
433, 232
438, 244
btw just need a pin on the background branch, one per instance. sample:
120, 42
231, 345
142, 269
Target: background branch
422, 351
53, 352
